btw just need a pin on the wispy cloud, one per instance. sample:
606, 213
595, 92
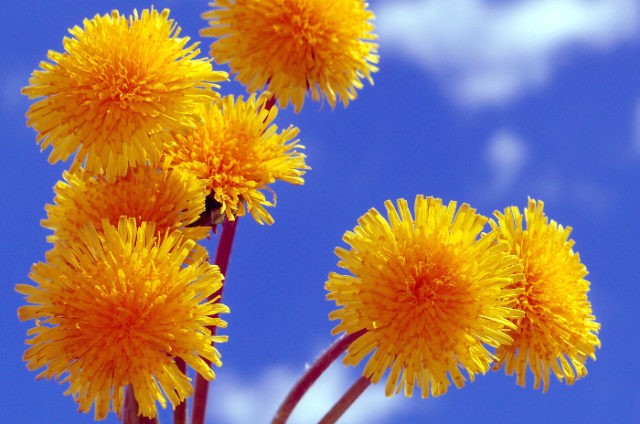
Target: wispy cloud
506, 154
488, 52
240, 401
509, 160
11, 82
635, 137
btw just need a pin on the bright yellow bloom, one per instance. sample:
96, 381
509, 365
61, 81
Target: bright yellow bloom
238, 151
558, 331
119, 84
429, 293
295, 46
171, 199
118, 307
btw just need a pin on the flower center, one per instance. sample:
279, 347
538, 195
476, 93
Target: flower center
430, 280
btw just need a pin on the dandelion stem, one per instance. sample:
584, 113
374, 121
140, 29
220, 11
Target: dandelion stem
180, 413
131, 409
311, 375
271, 102
223, 253
346, 400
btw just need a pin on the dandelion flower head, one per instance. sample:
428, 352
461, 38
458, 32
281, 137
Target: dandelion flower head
116, 308
237, 149
429, 293
293, 47
171, 199
118, 85
558, 331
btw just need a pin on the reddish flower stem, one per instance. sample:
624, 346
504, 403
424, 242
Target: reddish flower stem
180, 413
223, 253
271, 102
346, 400
131, 409
311, 375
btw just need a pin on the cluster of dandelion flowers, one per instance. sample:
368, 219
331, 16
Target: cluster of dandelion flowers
429, 293
238, 150
118, 85
558, 331
115, 308
295, 46
171, 199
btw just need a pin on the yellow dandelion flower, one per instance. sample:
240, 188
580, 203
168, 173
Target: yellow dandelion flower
429, 293
239, 152
116, 308
558, 331
118, 85
171, 199
295, 46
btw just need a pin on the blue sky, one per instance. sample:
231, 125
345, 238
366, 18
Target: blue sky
485, 102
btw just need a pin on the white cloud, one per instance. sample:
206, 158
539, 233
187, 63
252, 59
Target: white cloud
234, 400
506, 154
488, 52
